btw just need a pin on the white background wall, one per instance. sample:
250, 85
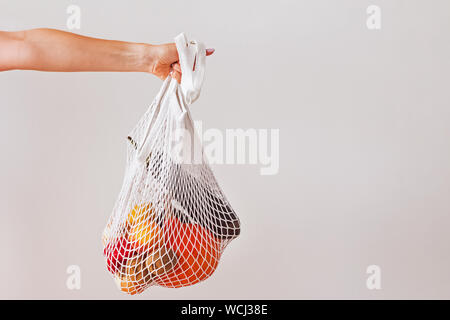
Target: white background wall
364, 147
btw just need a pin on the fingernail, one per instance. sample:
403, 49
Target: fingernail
210, 51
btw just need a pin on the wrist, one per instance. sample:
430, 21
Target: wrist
138, 57
147, 58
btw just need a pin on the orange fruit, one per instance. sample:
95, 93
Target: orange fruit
197, 251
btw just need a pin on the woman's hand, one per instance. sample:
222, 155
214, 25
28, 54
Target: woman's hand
164, 60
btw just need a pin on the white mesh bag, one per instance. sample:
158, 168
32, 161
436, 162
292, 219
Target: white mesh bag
171, 221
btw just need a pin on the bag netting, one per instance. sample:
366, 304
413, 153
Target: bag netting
171, 221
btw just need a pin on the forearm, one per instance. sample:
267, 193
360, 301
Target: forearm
53, 50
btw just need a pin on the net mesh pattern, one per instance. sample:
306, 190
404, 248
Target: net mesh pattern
171, 221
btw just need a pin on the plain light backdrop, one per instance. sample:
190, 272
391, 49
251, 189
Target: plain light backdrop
364, 173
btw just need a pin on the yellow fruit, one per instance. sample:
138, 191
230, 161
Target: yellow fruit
144, 230
106, 235
134, 276
140, 213
145, 235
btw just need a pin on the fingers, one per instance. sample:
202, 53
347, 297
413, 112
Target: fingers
175, 71
176, 75
176, 66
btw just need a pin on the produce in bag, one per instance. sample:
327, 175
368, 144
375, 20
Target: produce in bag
171, 221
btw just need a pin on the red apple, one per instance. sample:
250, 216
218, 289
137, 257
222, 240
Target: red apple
117, 253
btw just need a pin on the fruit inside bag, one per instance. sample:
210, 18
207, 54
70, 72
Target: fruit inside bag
222, 220
171, 221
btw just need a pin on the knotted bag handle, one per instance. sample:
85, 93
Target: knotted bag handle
192, 59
